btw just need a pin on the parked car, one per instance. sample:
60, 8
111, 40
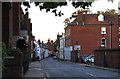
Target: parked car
88, 59
91, 59
54, 57
84, 58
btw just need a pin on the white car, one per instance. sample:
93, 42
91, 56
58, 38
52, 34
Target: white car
89, 59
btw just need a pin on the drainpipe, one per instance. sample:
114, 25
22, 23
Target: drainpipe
111, 33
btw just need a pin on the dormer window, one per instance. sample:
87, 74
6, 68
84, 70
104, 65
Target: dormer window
100, 17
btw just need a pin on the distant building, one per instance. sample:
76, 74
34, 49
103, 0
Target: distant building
50, 45
92, 31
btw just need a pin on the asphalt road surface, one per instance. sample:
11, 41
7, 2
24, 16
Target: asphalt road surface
66, 69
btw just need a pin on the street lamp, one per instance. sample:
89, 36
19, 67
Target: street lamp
111, 33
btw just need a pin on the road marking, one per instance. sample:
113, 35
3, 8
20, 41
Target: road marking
91, 75
44, 77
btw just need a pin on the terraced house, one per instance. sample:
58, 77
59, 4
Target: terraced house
16, 25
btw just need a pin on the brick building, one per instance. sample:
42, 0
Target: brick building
14, 24
17, 32
10, 23
92, 31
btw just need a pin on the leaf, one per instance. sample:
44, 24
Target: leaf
26, 9
47, 9
26, 4
41, 7
37, 3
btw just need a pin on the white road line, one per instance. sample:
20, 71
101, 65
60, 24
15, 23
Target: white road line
91, 74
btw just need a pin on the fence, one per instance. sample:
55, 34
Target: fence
107, 57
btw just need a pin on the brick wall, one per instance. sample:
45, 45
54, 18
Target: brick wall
16, 18
5, 23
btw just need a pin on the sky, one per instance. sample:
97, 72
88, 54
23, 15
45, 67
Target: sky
46, 25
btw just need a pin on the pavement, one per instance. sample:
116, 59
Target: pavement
36, 70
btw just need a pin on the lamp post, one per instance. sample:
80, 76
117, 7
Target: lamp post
111, 33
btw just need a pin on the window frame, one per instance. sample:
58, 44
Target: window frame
102, 42
119, 42
118, 30
103, 30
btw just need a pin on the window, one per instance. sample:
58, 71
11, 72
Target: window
119, 30
119, 41
103, 42
103, 30
100, 17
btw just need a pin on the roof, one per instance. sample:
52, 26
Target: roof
92, 19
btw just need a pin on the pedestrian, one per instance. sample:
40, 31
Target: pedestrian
33, 57
43, 54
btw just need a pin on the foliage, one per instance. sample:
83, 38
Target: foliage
53, 4
81, 4
108, 11
67, 20
74, 14
4, 50
48, 6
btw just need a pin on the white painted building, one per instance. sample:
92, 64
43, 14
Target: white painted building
61, 49
64, 52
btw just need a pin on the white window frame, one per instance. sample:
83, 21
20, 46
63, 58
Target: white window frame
118, 30
119, 41
103, 30
102, 42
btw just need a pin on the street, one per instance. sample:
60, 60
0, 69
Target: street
56, 68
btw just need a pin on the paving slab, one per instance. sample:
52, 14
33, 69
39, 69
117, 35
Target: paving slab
35, 71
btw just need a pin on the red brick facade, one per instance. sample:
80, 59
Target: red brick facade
86, 31
13, 19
